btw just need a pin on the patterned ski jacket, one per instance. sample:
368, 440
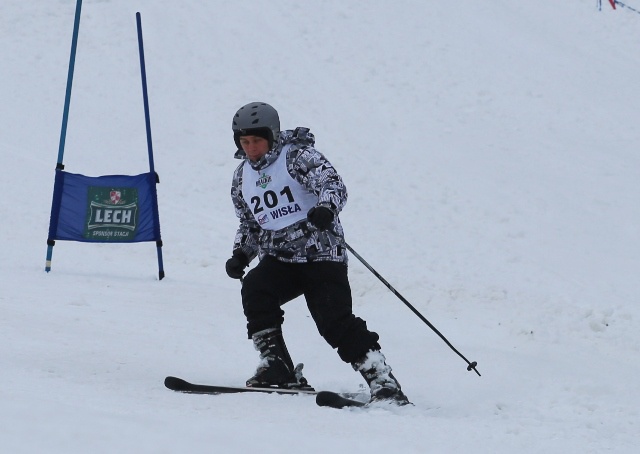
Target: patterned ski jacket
299, 242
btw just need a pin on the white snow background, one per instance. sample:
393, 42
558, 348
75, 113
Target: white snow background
490, 150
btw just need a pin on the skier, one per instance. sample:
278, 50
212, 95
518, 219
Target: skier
287, 196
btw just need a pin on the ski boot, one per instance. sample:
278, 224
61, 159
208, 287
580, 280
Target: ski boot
384, 386
276, 367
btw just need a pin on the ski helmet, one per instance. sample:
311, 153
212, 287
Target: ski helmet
256, 118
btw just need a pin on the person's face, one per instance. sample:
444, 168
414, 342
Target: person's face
254, 147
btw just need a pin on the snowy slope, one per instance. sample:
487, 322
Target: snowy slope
490, 151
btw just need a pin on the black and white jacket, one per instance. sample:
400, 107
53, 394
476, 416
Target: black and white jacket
299, 242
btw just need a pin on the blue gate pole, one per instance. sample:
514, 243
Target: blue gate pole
145, 97
65, 113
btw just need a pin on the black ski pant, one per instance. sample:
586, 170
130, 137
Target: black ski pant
326, 289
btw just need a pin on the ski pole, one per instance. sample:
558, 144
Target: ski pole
470, 365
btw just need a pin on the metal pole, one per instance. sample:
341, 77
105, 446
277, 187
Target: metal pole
67, 99
471, 365
145, 97
65, 114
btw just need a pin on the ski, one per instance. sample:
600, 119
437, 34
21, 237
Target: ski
323, 398
335, 400
180, 385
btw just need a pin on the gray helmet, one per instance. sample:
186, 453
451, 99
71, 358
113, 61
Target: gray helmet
254, 116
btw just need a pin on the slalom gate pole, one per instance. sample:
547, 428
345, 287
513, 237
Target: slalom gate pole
145, 97
470, 365
616, 2
67, 99
65, 112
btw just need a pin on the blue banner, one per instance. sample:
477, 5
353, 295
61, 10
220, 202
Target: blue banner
105, 209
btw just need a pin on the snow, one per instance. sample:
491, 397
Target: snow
490, 151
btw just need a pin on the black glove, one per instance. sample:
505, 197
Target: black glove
236, 264
321, 217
